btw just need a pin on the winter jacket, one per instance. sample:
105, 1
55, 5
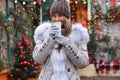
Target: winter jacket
61, 65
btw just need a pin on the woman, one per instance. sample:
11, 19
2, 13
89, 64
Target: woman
60, 54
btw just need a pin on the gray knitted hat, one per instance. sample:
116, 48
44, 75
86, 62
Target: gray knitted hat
60, 6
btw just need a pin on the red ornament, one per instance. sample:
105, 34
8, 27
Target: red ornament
11, 75
72, 17
113, 3
73, 8
17, 69
21, 56
20, 45
36, 67
35, 63
32, 65
23, 52
21, 63
25, 62
30, 54
31, 59
25, 38
25, 68
71, 1
28, 63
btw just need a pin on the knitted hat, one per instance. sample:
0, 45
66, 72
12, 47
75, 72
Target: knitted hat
60, 6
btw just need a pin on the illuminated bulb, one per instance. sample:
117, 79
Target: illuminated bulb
76, 2
15, 1
95, 3
23, 3
119, 3
84, 2
106, 3
44, 0
34, 2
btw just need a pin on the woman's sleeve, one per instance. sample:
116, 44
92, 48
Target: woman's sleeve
44, 44
76, 50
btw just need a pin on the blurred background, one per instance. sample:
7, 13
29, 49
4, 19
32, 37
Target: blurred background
19, 18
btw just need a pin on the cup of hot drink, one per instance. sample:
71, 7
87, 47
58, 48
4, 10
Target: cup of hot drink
58, 24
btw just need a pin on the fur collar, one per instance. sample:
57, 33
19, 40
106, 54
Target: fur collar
79, 33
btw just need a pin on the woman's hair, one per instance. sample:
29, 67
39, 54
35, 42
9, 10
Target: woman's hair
67, 26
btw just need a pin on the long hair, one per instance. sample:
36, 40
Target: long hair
68, 27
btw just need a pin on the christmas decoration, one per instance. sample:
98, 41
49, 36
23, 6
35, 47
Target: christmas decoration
113, 2
73, 10
24, 65
20, 20
5, 30
79, 12
107, 67
101, 45
114, 14
32, 9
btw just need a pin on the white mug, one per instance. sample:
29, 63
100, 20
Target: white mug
58, 24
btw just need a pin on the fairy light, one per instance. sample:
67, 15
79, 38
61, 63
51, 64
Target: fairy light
118, 3
85, 2
34, 2
24, 3
95, 3
106, 3
76, 2
15, 1
44, 0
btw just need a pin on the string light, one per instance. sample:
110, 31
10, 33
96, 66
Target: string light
15, 1
44, 0
34, 2
85, 2
95, 3
76, 2
106, 3
118, 3
24, 3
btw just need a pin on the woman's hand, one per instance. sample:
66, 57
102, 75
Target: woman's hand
54, 31
62, 40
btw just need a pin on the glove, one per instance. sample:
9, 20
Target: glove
54, 31
62, 40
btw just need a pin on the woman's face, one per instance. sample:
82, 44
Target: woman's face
57, 18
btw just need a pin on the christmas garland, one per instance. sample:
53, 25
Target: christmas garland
114, 14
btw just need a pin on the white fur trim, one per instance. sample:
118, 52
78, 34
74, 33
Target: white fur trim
79, 33
41, 31
58, 60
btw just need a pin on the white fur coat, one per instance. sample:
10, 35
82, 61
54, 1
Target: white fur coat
77, 55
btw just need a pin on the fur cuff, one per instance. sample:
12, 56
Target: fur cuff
41, 31
79, 33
